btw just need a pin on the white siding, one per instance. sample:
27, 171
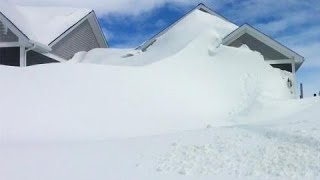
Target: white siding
81, 38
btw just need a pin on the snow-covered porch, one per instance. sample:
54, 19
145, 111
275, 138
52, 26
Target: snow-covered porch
273, 52
15, 46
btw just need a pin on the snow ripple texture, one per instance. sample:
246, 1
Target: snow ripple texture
234, 151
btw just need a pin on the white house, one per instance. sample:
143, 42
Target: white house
37, 35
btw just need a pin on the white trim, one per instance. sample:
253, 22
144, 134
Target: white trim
23, 59
266, 40
96, 28
294, 84
9, 44
280, 61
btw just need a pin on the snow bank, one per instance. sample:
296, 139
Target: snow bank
202, 84
286, 149
219, 112
176, 39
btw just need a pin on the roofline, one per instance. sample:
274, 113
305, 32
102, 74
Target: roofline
215, 12
26, 41
92, 12
199, 6
104, 37
245, 25
15, 26
70, 27
275, 40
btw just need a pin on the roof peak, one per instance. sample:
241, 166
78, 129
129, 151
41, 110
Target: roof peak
207, 9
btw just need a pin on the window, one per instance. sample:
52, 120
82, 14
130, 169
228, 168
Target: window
10, 56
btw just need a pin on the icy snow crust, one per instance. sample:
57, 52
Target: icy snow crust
197, 110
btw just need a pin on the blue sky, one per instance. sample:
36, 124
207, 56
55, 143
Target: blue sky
295, 23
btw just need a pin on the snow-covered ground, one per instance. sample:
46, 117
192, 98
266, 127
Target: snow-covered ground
193, 109
287, 148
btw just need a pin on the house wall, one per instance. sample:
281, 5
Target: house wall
81, 38
34, 58
10, 56
256, 45
7, 37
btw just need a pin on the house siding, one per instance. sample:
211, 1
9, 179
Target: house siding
256, 45
9, 36
81, 38
34, 58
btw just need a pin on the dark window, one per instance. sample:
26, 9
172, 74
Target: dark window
285, 67
34, 58
254, 44
10, 56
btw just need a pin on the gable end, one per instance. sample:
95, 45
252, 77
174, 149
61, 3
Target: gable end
82, 38
258, 41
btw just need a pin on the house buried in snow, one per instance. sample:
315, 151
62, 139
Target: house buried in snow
274, 53
38, 35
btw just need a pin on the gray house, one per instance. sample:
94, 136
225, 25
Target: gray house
38, 35
274, 53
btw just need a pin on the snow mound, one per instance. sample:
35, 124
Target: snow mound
217, 111
83, 101
170, 43
202, 84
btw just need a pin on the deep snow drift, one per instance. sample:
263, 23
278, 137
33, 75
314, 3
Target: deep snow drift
203, 84
193, 107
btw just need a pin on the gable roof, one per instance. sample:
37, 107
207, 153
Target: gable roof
47, 23
200, 7
42, 24
11, 17
247, 29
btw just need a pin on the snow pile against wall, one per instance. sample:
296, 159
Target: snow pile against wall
202, 84
218, 113
170, 43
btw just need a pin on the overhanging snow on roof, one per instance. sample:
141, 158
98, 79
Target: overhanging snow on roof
42, 24
262, 43
200, 7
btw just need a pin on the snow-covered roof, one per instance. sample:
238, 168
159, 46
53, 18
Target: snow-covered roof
200, 7
42, 24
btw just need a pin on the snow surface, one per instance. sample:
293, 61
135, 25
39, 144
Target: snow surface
42, 24
197, 110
